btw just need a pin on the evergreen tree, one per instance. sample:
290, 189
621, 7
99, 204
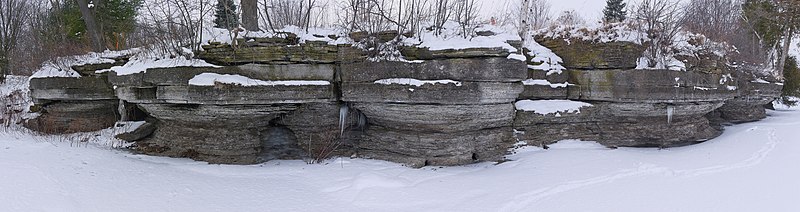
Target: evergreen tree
225, 16
614, 11
114, 18
791, 85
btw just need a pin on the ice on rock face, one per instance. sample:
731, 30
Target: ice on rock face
670, 110
343, 110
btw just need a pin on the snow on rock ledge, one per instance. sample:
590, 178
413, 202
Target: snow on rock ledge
141, 65
209, 79
545, 82
545, 107
414, 82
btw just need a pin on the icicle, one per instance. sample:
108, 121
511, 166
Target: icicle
123, 113
342, 117
670, 109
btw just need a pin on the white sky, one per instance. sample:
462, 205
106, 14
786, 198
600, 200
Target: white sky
591, 10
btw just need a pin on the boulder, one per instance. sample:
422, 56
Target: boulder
140, 133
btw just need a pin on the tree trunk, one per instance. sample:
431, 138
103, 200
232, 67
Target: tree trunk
787, 42
525, 19
250, 15
91, 26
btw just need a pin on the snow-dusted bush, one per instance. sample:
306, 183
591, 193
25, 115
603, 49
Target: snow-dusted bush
661, 20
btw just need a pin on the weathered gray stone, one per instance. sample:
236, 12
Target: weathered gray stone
230, 145
621, 124
543, 92
631, 132
581, 54
416, 53
438, 118
224, 94
309, 52
552, 78
182, 75
318, 131
217, 115
467, 93
233, 134
66, 117
418, 149
651, 86
749, 105
478, 70
143, 131
71, 89
146, 95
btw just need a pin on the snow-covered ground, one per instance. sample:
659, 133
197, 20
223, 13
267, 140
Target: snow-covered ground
751, 167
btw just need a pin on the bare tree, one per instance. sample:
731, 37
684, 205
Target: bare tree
92, 28
661, 20
570, 17
534, 15
14, 15
716, 19
466, 15
442, 13
301, 13
168, 26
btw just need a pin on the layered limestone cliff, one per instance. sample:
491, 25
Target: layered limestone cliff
279, 98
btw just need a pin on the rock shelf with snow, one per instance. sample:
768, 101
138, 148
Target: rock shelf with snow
279, 99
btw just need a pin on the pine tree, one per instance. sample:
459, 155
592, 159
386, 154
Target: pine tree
225, 16
614, 11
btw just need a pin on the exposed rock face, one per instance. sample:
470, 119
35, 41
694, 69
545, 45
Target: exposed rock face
232, 123
455, 107
749, 103
415, 53
278, 51
63, 117
652, 108
213, 133
652, 86
622, 124
458, 122
581, 54
70, 105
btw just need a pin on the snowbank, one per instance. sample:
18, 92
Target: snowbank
545, 107
750, 167
209, 79
415, 82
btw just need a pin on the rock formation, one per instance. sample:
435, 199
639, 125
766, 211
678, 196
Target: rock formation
447, 107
